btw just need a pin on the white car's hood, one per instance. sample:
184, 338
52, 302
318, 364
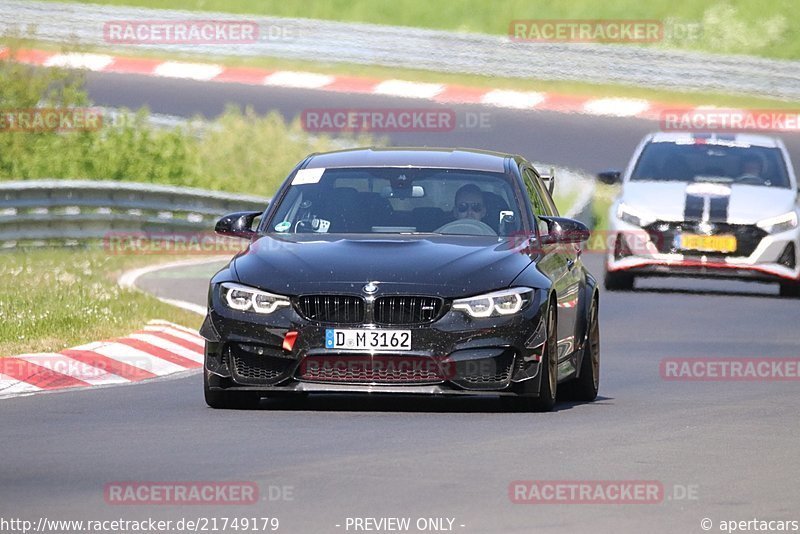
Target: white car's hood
746, 204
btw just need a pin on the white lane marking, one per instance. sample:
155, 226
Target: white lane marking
408, 89
191, 71
128, 280
192, 338
10, 386
161, 322
188, 306
79, 61
302, 80
513, 99
617, 107
76, 369
137, 358
170, 346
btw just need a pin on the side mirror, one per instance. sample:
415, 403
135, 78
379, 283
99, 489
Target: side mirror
238, 224
564, 230
550, 180
610, 177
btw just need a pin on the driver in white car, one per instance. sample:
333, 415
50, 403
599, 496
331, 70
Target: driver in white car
469, 203
751, 167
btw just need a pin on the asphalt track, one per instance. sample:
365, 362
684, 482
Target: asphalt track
732, 446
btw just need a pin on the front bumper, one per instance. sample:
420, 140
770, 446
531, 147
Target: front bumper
637, 251
454, 355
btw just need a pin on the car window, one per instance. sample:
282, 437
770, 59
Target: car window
540, 199
396, 200
670, 161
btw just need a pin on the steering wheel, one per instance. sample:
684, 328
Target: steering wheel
466, 227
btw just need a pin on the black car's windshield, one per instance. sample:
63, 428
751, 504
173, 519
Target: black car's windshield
398, 201
675, 162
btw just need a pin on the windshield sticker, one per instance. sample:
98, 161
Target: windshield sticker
283, 226
307, 176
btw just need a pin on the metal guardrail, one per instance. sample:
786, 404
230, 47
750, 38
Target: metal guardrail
73, 211
47, 212
441, 51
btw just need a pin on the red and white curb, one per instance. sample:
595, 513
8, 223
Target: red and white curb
159, 349
442, 93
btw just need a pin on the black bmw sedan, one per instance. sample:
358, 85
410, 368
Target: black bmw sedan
405, 271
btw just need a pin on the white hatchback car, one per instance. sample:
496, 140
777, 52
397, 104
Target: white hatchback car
706, 205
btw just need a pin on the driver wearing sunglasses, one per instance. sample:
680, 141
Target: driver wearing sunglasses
469, 203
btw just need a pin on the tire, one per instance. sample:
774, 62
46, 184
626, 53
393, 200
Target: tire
229, 400
616, 281
549, 381
790, 290
585, 386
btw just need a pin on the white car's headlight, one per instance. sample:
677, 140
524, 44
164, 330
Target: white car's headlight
631, 216
506, 302
781, 223
244, 298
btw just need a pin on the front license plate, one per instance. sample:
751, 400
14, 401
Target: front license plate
708, 243
358, 339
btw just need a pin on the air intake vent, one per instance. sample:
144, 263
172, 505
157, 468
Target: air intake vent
335, 309
787, 258
407, 310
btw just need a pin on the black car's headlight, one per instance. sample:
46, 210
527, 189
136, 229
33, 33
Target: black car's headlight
495, 304
244, 298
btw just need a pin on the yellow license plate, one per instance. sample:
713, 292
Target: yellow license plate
708, 243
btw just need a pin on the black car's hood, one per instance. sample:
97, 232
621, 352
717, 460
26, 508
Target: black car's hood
447, 266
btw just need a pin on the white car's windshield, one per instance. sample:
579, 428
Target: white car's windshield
753, 165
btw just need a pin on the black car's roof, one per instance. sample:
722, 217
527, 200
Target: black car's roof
443, 158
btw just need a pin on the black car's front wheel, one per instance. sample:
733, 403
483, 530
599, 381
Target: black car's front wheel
586, 385
548, 387
549, 384
229, 400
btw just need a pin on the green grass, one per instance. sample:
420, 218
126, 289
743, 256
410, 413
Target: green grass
240, 152
728, 26
52, 299
603, 197
565, 201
